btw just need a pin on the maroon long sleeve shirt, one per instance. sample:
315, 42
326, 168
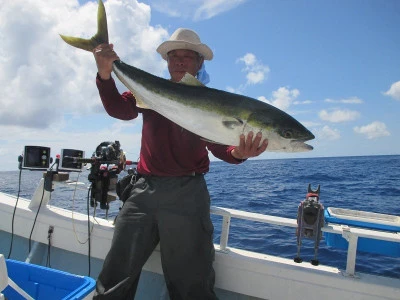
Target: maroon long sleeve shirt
166, 148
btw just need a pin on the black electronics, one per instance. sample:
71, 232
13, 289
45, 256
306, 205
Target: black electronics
36, 158
70, 160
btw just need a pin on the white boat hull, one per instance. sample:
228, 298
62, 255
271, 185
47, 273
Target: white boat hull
240, 274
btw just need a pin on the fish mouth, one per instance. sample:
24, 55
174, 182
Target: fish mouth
301, 146
301, 143
308, 147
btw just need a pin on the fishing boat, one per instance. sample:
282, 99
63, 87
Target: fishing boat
56, 239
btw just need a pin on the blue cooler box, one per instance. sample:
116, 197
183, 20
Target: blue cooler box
45, 283
366, 220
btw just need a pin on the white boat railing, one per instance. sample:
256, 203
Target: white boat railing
351, 234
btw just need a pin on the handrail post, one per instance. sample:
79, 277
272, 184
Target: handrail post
226, 223
351, 250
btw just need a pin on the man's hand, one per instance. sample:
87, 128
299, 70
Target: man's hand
249, 147
105, 55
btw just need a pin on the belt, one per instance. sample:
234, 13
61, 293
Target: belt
195, 174
191, 174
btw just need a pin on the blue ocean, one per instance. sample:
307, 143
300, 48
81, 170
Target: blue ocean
274, 187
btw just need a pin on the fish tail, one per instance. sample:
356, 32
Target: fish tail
101, 37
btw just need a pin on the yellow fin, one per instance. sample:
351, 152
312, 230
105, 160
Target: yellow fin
189, 79
140, 103
99, 38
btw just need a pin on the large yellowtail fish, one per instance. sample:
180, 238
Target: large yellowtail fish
214, 115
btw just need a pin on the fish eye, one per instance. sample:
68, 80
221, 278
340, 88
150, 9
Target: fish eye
287, 134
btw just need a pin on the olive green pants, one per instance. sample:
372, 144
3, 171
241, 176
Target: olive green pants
172, 211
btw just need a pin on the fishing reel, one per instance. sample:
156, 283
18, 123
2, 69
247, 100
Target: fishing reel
107, 162
108, 151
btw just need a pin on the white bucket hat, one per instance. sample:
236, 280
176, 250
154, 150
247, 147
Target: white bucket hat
185, 39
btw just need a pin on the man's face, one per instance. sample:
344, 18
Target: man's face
181, 61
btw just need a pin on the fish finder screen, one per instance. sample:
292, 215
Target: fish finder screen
70, 160
36, 157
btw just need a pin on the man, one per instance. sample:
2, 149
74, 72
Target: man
170, 204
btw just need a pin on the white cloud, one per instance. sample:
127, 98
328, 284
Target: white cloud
351, 100
394, 91
374, 130
328, 133
309, 124
256, 72
194, 9
47, 83
255, 77
262, 98
249, 59
305, 102
212, 8
337, 116
282, 98
231, 89
43, 78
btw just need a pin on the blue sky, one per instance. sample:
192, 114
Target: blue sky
333, 65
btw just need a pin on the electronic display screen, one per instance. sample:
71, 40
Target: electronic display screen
36, 158
71, 163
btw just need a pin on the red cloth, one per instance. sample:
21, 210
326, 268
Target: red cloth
167, 149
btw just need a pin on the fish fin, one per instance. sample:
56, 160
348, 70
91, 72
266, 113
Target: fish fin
101, 37
232, 123
189, 79
140, 103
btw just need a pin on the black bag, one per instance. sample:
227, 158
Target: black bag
125, 185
